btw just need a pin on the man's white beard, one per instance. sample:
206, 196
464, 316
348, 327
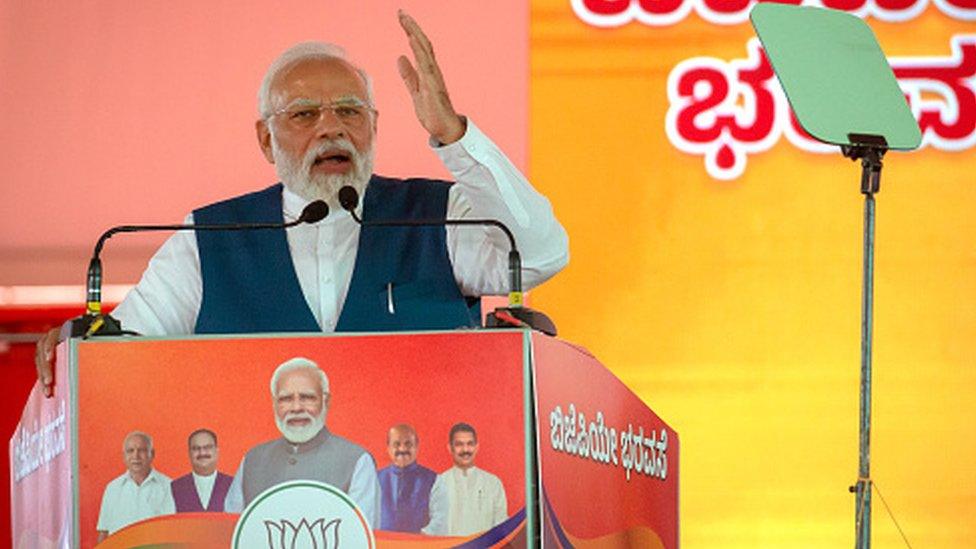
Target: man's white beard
305, 433
296, 174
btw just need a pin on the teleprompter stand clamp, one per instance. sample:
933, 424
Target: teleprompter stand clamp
869, 149
843, 92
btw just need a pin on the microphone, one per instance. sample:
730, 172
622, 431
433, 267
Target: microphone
93, 322
516, 314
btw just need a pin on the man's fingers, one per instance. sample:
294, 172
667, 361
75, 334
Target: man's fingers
408, 74
44, 361
423, 50
420, 55
429, 73
413, 29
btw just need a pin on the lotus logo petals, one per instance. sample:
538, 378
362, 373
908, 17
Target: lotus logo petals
302, 514
304, 535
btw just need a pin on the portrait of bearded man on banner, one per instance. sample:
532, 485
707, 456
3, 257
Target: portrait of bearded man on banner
307, 450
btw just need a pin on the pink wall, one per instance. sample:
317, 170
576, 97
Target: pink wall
120, 112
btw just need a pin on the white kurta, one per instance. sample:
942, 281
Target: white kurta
167, 299
364, 489
465, 502
124, 502
204, 486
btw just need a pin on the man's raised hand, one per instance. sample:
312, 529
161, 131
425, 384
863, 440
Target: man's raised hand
426, 86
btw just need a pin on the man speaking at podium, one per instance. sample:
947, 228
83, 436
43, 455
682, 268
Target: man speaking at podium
318, 126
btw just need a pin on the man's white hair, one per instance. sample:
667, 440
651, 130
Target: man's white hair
296, 54
298, 363
145, 437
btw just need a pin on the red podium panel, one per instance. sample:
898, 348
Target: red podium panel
609, 464
69, 448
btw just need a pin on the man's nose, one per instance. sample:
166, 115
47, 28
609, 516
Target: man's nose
329, 126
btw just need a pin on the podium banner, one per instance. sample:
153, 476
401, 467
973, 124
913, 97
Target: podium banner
609, 464
40, 469
563, 453
170, 388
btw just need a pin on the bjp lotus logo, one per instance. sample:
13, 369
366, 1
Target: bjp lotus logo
316, 535
302, 514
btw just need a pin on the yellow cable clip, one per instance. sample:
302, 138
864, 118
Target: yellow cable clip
515, 299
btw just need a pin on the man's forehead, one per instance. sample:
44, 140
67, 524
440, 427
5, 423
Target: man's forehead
302, 381
463, 436
351, 99
136, 441
202, 438
402, 435
319, 79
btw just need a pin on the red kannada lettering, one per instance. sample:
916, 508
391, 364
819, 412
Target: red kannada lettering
615, 13
726, 110
722, 111
948, 122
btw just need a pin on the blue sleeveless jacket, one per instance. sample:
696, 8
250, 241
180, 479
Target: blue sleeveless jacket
250, 285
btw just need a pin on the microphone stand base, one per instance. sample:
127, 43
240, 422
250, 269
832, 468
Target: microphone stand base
520, 317
89, 325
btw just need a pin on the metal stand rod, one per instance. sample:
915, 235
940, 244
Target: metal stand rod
863, 487
869, 150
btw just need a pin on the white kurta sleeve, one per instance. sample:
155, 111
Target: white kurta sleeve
234, 502
438, 507
167, 299
364, 489
104, 521
489, 186
499, 504
168, 506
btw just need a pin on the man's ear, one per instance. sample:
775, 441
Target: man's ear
264, 139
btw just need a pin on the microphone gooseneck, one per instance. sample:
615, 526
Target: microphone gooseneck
513, 315
93, 320
349, 200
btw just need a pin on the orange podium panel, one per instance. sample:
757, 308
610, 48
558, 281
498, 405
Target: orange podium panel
580, 460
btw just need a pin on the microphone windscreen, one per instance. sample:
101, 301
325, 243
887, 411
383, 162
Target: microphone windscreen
348, 198
314, 212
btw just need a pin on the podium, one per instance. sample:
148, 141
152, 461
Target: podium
583, 462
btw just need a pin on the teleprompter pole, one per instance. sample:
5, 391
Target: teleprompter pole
870, 154
863, 111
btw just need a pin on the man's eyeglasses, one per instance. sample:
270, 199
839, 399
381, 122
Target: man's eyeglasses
350, 112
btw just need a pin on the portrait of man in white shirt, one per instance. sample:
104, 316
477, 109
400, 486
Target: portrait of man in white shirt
138, 494
465, 499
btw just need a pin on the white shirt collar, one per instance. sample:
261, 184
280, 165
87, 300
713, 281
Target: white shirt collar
292, 204
153, 476
205, 477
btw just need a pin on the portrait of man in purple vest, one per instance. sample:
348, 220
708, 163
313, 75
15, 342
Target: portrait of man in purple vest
204, 488
307, 450
405, 483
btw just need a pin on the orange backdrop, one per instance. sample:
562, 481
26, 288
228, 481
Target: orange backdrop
733, 306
